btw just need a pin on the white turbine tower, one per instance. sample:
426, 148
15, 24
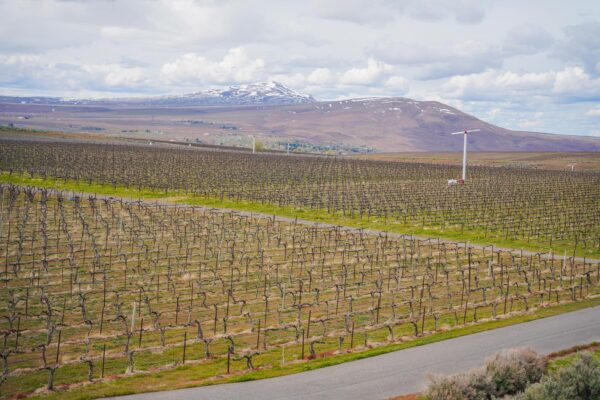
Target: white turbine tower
464, 133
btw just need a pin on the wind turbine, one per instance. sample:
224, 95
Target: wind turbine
464, 133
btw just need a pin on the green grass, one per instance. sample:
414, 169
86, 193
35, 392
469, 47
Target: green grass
197, 374
564, 361
452, 234
8, 128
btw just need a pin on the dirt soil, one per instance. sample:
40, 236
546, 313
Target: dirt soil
413, 396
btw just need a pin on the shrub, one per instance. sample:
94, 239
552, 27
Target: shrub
506, 373
510, 372
578, 381
469, 386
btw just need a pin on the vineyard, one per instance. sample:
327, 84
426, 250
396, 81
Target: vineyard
547, 208
98, 287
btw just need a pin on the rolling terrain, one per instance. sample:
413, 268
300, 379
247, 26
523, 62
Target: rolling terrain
394, 124
234, 266
278, 115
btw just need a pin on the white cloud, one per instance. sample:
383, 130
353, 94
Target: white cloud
192, 69
594, 112
16, 59
463, 11
377, 11
491, 114
116, 75
528, 124
577, 84
446, 58
33, 70
320, 76
373, 80
398, 84
526, 39
372, 73
296, 80
569, 84
581, 43
523, 82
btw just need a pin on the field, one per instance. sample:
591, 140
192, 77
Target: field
197, 194
140, 282
98, 287
581, 161
539, 210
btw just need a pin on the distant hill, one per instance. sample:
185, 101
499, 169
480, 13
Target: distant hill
393, 124
277, 112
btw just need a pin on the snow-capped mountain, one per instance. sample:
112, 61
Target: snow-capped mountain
385, 124
268, 93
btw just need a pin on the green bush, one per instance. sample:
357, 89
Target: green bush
259, 145
578, 381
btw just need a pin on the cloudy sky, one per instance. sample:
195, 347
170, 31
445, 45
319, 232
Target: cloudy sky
530, 65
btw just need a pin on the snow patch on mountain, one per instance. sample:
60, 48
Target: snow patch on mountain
268, 93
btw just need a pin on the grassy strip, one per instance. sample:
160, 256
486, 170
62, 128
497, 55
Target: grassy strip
453, 234
564, 361
187, 376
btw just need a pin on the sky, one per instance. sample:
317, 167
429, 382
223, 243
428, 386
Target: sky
524, 65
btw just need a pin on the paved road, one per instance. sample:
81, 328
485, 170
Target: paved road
403, 371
